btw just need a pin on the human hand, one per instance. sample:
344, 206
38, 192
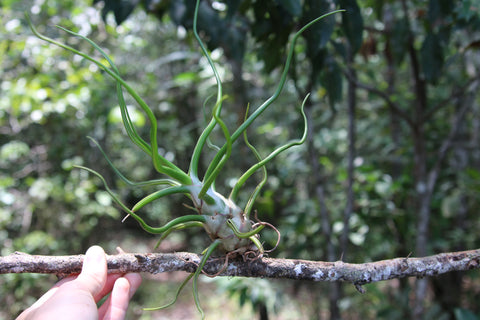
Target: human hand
76, 297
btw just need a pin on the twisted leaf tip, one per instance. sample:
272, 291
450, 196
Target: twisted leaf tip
228, 226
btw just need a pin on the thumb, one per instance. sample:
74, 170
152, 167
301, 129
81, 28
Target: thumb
94, 271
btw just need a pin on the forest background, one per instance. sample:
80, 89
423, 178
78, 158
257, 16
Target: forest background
391, 167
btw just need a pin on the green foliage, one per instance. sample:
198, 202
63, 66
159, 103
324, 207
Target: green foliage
257, 292
464, 314
45, 93
352, 23
227, 225
120, 9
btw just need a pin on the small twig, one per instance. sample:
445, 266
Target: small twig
358, 274
446, 145
383, 95
456, 93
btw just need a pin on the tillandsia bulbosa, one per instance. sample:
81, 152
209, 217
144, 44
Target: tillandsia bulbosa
228, 225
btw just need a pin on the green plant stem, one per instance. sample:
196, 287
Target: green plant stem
148, 183
258, 188
159, 194
177, 227
253, 197
244, 235
190, 276
211, 179
143, 224
193, 170
129, 127
257, 243
161, 164
272, 155
172, 224
205, 257
269, 101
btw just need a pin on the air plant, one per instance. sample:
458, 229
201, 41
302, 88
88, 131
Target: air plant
230, 227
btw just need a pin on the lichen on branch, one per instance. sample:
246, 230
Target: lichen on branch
357, 274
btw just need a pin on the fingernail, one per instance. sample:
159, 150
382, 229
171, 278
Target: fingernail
95, 254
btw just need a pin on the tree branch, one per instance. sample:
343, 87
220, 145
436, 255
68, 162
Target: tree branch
455, 94
357, 274
383, 95
445, 147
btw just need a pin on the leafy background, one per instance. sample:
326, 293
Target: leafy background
392, 83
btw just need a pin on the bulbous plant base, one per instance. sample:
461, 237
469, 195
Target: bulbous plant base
229, 227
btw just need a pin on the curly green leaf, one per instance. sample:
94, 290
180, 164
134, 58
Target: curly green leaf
143, 224
161, 164
193, 170
159, 194
274, 153
210, 177
244, 235
272, 98
148, 183
180, 226
190, 276
207, 254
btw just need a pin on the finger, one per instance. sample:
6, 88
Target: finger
117, 304
135, 280
107, 288
94, 271
65, 280
115, 307
46, 296
54, 289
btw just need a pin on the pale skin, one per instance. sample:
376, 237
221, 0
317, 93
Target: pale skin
220, 216
76, 297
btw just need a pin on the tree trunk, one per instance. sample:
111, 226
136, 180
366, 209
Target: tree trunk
316, 191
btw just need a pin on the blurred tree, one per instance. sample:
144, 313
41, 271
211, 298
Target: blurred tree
391, 166
49, 103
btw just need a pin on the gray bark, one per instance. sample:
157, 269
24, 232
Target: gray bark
358, 274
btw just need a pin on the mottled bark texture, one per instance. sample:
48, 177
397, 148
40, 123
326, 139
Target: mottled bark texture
358, 274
